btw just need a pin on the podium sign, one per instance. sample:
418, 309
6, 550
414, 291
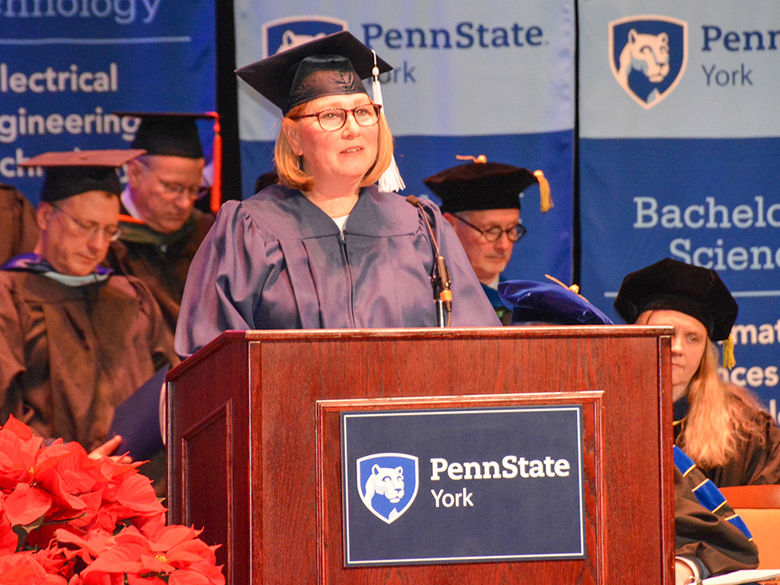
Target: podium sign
463, 485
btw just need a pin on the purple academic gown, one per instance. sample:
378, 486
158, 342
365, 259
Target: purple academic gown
276, 261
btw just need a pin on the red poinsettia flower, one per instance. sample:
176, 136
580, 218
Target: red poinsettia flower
24, 569
66, 519
19, 448
26, 504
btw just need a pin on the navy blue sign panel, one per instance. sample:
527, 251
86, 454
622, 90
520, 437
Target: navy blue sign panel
462, 485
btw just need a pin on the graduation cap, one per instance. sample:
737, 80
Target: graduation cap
77, 171
673, 285
548, 302
176, 134
481, 184
330, 65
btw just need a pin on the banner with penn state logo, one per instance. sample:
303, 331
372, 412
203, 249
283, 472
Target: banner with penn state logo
67, 65
463, 485
679, 151
493, 78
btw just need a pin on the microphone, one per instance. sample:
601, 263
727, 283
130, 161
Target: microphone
441, 281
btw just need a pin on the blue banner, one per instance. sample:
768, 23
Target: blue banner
494, 78
67, 65
679, 150
467, 485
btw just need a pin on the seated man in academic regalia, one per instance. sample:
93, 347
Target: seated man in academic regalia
481, 200
18, 229
76, 340
709, 536
161, 226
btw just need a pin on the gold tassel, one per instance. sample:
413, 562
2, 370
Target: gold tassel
545, 198
728, 353
575, 288
480, 159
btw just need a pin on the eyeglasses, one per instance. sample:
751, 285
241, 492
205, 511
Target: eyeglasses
493, 233
334, 118
90, 229
178, 189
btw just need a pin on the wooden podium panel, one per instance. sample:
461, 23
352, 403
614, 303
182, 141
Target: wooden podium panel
254, 442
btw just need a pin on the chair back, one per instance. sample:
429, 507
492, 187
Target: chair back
759, 506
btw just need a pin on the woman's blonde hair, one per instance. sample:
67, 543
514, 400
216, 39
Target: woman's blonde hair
289, 165
721, 415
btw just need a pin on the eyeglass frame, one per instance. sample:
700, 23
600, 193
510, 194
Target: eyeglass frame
519, 228
90, 231
376, 107
178, 189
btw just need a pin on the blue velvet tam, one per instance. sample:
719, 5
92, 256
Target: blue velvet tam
331, 65
74, 172
543, 302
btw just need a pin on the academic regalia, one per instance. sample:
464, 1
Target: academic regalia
276, 261
714, 539
18, 228
160, 260
70, 354
757, 463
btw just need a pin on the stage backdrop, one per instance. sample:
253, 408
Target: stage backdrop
679, 156
66, 65
493, 78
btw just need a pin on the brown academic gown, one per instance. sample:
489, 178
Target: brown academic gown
70, 355
18, 228
160, 260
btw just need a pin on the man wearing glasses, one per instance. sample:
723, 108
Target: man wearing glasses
481, 200
161, 227
75, 339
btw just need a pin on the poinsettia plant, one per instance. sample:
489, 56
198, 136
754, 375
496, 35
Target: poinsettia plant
67, 519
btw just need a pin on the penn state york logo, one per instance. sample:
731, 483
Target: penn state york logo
280, 35
387, 484
648, 55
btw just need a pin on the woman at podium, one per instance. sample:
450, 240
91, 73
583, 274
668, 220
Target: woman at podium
325, 247
721, 426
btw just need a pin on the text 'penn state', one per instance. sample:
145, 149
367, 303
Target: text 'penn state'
510, 467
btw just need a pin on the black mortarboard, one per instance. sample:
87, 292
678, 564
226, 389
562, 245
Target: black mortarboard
168, 133
77, 171
677, 286
546, 302
331, 65
481, 185
176, 134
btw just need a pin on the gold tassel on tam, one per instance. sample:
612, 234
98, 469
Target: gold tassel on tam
391, 179
728, 353
545, 198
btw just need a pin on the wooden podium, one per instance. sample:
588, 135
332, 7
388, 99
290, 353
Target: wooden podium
254, 442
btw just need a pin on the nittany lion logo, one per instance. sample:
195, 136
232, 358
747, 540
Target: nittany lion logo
286, 33
648, 55
387, 484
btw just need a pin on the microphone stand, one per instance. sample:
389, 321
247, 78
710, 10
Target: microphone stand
440, 279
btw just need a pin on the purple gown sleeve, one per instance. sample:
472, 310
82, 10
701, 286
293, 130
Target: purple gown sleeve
224, 281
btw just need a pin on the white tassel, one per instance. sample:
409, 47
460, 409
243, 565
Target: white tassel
391, 179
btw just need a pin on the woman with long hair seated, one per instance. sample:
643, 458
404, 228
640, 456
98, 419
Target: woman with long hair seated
720, 425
